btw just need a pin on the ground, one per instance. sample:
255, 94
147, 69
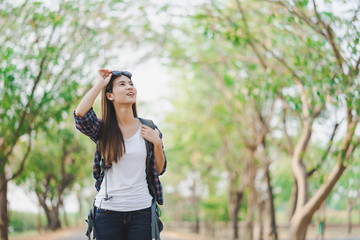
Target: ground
79, 234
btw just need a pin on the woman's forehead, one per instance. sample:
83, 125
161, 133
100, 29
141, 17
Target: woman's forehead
122, 78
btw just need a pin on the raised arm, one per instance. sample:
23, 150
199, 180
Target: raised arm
86, 120
88, 100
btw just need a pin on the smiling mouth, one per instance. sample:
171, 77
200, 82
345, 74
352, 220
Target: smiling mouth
130, 94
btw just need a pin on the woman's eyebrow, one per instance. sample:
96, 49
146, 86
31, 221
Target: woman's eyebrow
123, 81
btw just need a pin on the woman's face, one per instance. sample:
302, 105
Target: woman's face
123, 92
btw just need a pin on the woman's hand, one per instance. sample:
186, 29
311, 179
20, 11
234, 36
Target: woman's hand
150, 134
153, 136
103, 77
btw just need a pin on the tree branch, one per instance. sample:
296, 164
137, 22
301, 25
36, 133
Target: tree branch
326, 153
247, 32
21, 167
281, 146
299, 83
298, 166
301, 16
314, 203
290, 145
36, 82
357, 66
329, 36
353, 147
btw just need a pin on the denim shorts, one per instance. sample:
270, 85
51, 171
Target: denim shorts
114, 225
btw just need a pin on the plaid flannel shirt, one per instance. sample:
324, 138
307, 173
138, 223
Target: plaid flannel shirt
90, 126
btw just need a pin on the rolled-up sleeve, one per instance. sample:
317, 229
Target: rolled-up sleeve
88, 124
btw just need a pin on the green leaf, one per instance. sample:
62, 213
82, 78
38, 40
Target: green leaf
270, 18
229, 81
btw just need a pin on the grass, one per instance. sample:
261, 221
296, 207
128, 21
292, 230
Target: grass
28, 223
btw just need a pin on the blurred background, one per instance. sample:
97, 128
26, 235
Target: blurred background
258, 101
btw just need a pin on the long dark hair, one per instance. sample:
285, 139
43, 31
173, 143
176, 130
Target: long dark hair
111, 140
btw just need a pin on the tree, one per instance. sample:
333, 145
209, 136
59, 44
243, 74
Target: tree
47, 51
311, 64
219, 105
55, 163
319, 71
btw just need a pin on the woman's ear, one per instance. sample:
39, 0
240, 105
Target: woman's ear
110, 96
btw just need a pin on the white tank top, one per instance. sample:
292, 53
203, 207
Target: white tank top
126, 179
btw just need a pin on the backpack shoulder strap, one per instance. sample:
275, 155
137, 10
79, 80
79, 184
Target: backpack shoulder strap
147, 122
149, 151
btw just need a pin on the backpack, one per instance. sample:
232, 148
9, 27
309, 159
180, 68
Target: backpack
156, 224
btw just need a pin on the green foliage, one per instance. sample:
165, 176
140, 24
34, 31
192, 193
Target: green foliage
232, 66
48, 55
25, 223
242, 61
215, 209
58, 159
22, 222
45, 49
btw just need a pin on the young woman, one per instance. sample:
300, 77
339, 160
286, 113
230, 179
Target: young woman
123, 202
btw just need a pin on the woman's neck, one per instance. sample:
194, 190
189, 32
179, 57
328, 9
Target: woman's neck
124, 115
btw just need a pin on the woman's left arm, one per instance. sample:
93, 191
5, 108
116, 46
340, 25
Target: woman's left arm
155, 137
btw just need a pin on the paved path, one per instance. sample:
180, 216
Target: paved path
167, 235
79, 234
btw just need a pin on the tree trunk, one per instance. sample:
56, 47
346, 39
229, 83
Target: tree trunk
235, 202
300, 220
195, 203
235, 197
52, 215
293, 200
349, 210
303, 215
38, 220
197, 223
252, 195
306, 209
4, 218
53, 219
261, 209
66, 222
273, 233
79, 198
299, 168
298, 228
250, 212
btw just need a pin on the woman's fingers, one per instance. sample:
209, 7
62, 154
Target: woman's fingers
104, 73
144, 129
147, 128
104, 76
107, 78
149, 134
